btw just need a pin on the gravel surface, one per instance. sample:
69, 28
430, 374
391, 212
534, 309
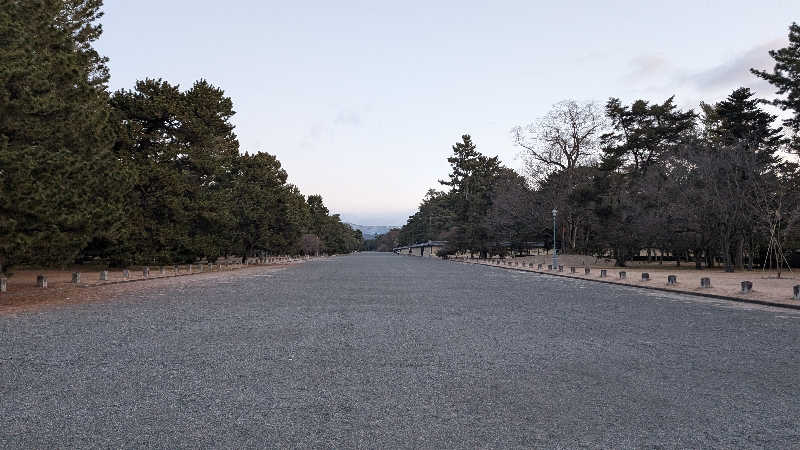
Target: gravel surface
377, 350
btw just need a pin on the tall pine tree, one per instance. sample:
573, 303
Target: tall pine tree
785, 76
59, 181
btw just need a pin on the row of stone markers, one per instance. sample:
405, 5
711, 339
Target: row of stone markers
672, 280
164, 271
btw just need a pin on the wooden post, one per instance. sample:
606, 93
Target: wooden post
3, 284
705, 282
146, 272
103, 275
41, 281
76, 277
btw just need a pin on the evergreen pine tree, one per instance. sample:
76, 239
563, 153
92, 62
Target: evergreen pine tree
785, 77
59, 182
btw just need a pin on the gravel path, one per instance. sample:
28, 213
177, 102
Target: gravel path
377, 350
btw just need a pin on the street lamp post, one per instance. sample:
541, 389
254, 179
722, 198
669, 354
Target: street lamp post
555, 247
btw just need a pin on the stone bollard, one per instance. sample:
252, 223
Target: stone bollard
41, 281
163, 271
572, 269
603, 273
645, 276
126, 274
540, 266
623, 275
76, 277
796, 292
146, 272
210, 267
549, 267
747, 286
587, 270
3, 284
672, 280
705, 282
103, 275
189, 268
177, 269
560, 268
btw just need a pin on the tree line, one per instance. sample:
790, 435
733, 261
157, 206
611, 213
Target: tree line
151, 174
716, 185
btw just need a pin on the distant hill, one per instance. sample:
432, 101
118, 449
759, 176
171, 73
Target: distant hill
370, 231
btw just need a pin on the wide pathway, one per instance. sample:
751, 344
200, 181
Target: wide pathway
377, 350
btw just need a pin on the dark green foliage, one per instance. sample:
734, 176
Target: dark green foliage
150, 175
258, 205
182, 149
785, 76
471, 180
58, 177
642, 133
433, 220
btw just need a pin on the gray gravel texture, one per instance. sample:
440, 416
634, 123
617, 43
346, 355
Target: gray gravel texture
377, 350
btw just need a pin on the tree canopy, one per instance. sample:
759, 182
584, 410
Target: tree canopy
154, 174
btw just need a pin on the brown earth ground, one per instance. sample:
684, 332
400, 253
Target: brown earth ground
766, 285
23, 295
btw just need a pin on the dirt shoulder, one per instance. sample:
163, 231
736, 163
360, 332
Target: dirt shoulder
767, 287
24, 295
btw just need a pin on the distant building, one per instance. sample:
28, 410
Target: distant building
427, 249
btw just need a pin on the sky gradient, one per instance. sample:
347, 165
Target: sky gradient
361, 101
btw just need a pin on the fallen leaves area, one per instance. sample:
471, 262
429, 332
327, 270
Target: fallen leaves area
766, 284
24, 295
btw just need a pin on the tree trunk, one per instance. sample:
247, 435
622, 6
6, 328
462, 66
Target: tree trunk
620, 257
740, 254
726, 248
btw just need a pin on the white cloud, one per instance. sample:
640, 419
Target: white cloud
653, 74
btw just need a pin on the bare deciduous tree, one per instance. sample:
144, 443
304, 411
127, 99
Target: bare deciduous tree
567, 137
310, 244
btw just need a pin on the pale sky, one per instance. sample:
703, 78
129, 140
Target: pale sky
361, 101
